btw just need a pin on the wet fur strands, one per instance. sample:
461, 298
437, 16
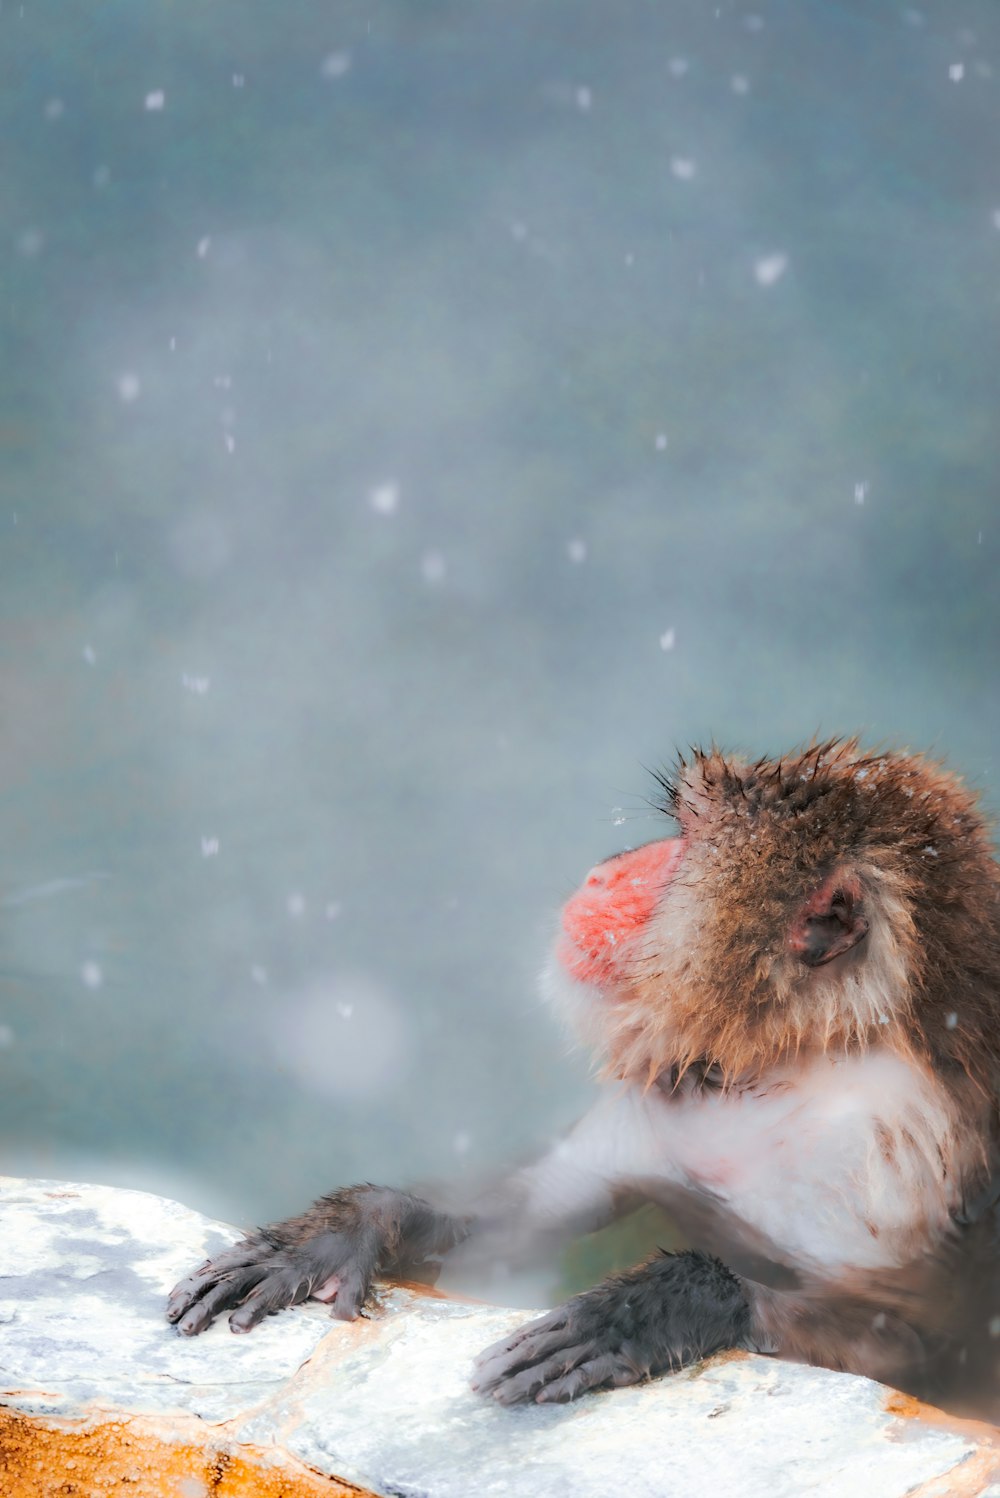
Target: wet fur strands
794, 1003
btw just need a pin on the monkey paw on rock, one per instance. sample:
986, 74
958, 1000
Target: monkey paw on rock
666, 1313
255, 1278
333, 1252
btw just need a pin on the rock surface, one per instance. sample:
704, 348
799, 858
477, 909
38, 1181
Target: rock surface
98, 1395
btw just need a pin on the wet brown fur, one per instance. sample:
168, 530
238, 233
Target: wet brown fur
731, 995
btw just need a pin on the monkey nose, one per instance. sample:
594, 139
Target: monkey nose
612, 906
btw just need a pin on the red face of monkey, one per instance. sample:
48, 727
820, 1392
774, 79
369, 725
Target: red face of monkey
797, 909
611, 910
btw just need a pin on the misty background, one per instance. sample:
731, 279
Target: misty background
417, 419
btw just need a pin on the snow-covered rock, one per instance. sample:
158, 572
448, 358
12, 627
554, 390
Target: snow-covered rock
99, 1395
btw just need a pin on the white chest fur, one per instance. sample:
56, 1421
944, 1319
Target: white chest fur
842, 1163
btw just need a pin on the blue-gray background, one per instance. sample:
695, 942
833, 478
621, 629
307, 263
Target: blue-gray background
416, 418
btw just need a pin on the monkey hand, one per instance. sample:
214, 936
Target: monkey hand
662, 1315
258, 1276
332, 1252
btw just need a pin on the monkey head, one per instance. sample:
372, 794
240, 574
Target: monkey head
827, 901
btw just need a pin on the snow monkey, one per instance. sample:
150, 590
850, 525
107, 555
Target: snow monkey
795, 1000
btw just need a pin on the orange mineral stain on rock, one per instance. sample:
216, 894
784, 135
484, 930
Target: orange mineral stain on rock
908, 1407
971, 1476
73, 1459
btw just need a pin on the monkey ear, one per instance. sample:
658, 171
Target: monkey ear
830, 922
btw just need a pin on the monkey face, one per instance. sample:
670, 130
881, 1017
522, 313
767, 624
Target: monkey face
796, 910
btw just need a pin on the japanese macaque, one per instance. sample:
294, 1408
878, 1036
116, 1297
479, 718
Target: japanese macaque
796, 1004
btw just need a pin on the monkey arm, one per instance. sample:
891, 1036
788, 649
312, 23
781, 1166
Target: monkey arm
673, 1310
680, 1307
890, 1326
912, 1325
592, 1175
335, 1249
332, 1251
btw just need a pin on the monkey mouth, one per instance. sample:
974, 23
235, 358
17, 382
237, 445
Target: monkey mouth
609, 912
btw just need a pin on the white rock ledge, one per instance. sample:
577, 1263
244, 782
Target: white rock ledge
99, 1395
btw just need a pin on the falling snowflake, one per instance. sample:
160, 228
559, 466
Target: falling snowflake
129, 387
336, 64
956, 72
770, 268
384, 498
156, 99
433, 567
204, 245
296, 906
91, 975
668, 639
576, 550
683, 168
210, 847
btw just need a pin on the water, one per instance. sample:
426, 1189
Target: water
416, 420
